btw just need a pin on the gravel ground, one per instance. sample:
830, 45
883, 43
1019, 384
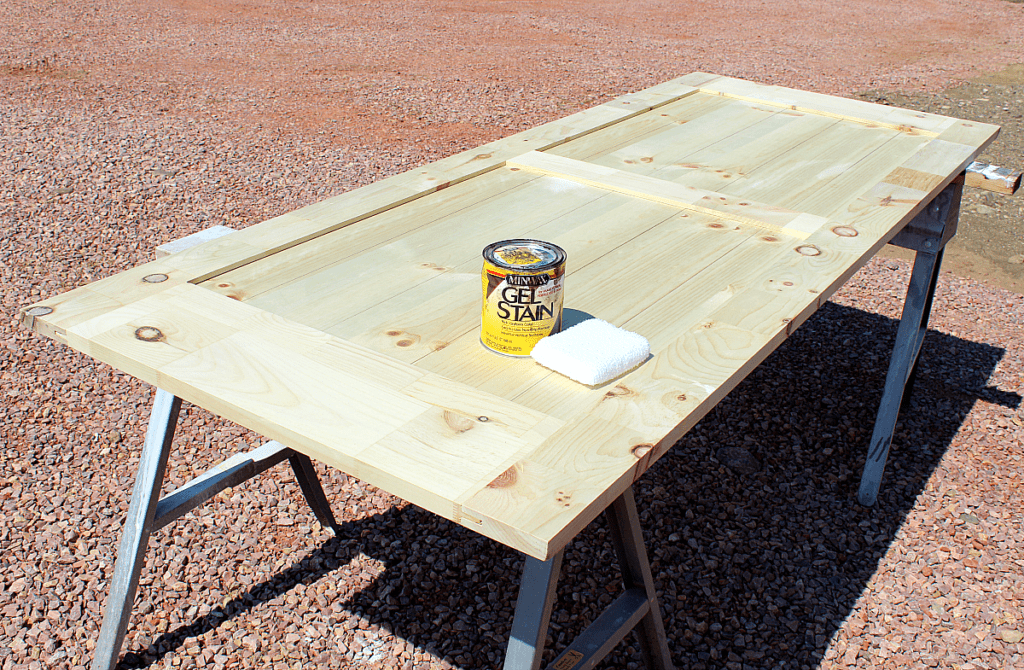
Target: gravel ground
989, 244
126, 124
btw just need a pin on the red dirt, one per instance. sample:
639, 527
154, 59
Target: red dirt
466, 72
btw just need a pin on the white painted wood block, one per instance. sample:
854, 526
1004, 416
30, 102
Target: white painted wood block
189, 241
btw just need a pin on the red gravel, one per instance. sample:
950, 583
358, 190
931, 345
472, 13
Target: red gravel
125, 125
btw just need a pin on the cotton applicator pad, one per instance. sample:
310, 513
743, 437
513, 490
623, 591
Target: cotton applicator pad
592, 352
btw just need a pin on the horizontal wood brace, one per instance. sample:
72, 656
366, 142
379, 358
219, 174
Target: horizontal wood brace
993, 178
808, 109
230, 472
600, 637
778, 220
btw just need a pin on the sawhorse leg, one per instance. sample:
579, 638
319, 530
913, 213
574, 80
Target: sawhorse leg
148, 512
927, 234
636, 608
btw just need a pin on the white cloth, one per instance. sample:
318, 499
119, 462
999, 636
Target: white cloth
592, 352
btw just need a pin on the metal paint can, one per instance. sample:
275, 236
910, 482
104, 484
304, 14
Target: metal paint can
522, 285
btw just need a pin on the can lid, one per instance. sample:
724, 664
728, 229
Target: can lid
522, 254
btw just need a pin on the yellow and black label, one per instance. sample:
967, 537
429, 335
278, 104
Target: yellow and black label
522, 287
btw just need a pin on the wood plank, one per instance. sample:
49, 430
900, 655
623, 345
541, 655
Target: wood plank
607, 140
431, 315
53, 316
858, 111
940, 157
665, 148
295, 262
978, 135
273, 384
145, 335
280, 331
531, 500
993, 178
793, 176
643, 398
775, 219
354, 284
443, 452
736, 285
733, 157
823, 193
614, 287
698, 79
720, 348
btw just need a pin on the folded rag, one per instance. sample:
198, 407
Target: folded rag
592, 352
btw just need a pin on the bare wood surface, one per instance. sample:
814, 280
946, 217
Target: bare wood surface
669, 193
349, 329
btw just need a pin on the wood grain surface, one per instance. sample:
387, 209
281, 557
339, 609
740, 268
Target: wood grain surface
711, 215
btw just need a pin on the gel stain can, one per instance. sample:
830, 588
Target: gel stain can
522, 282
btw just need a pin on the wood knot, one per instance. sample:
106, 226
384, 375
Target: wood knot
845, 231
457, 422
155, 278
148, 334
808, 250
681, 397
646, 159
715, 225
39, 310
769, 238
408, 339
505, 479
480, 157
641, 450
438, 346
619, 390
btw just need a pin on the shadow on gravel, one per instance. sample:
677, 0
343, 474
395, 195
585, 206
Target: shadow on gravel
758, 564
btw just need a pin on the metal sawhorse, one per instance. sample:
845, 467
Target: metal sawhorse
926, 235
148, 512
